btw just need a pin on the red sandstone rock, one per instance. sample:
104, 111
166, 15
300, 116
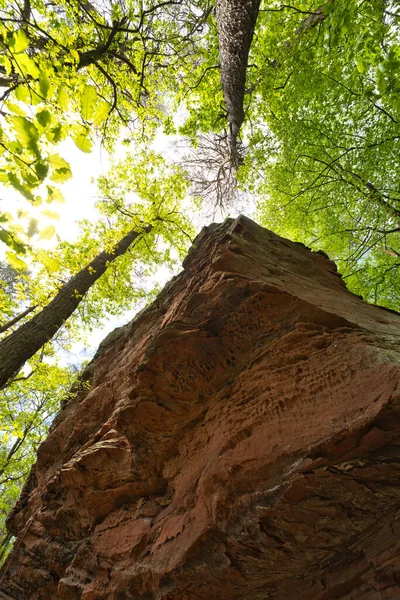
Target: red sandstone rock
240, 440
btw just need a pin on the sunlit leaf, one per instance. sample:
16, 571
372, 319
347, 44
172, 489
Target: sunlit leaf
26, 131
82, 139
50, 214
27, 66
6, 63
44, 84
61, 169
16, 262
54, 195
88, 102
101, 112
19, 42
47, 232
16, 183
51, 263
22, 93
16, 109
62, 97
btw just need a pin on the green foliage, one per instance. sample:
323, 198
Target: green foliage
27, 408
135, 192
326, 136
200, 89
81, 71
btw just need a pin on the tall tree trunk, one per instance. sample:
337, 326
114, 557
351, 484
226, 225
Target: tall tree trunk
236, 20
23, 343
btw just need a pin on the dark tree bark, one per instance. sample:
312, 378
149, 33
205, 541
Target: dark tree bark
236, 20
23, 343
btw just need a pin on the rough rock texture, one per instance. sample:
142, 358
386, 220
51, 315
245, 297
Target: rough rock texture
240, 439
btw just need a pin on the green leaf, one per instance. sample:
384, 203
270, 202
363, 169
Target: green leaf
81, 138
45, 86
47, 232
15, 182
16, 262
44, 117
25, 129
5, 237
26, 133
61, 175
49, 262
101, 113
22, 93
360, 66
88, 102
16, 109
58, 162
56, 134
61, 169
26, 66
50, 214
41, 169
54, 195
30, 178
74, 55
62, 97
19, 41
6, 63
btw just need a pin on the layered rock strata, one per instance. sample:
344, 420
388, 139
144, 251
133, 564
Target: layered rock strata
239, 439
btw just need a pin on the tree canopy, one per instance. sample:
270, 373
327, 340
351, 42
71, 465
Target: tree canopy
294, 106
329, 93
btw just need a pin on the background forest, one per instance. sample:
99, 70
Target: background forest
290, 110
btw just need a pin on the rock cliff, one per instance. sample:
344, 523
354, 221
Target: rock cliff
239, 439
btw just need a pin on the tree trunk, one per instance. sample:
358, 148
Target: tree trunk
236, 20
23, 343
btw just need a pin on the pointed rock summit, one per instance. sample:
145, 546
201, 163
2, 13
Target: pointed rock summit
239, 439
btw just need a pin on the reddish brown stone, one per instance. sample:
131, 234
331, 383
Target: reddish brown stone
240, 440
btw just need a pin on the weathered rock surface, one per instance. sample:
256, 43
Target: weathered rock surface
240, 440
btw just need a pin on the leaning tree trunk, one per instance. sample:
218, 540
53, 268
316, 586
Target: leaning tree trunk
236, 20
23, 343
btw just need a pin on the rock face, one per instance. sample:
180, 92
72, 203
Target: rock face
239, 439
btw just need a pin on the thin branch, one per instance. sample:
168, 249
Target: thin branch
16, 319
203, 75
114, 86
288, 6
